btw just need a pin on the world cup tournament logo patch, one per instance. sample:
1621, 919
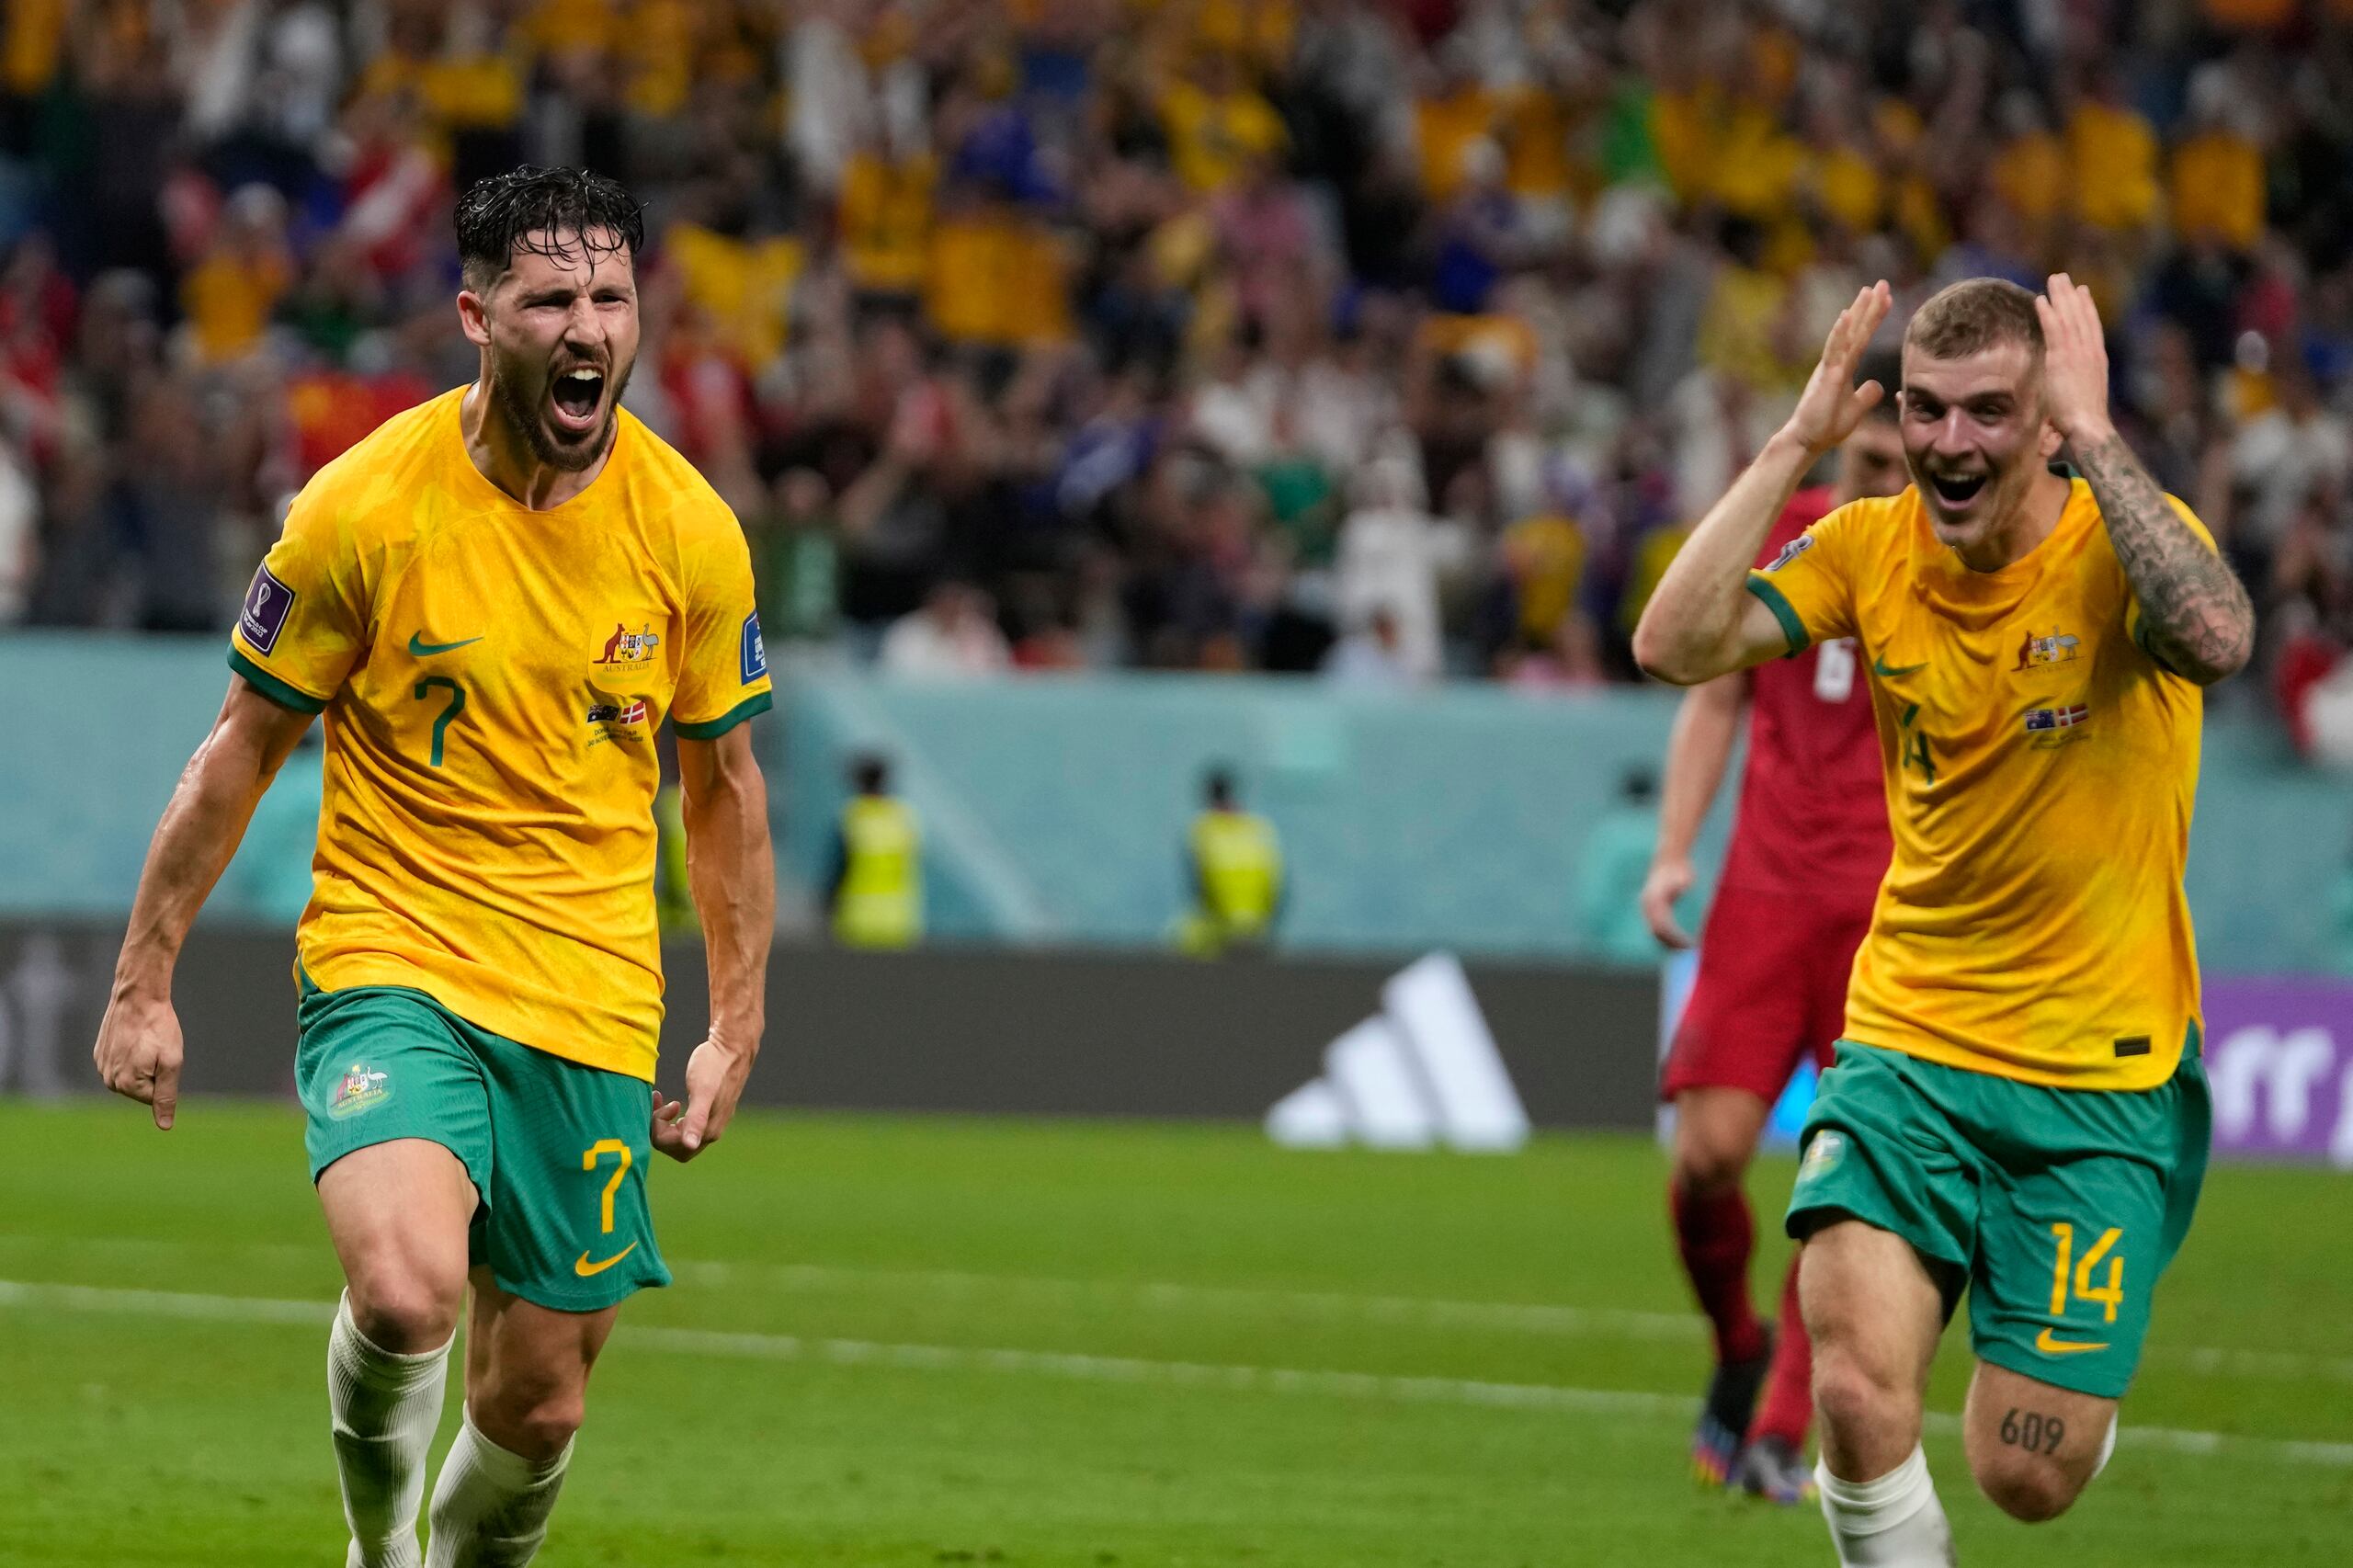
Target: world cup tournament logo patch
754, 649
361, 1089
1792, 550
264, 615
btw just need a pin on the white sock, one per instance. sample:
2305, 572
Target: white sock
1893, 1522
491, 1506
2107, 1448
383, 1409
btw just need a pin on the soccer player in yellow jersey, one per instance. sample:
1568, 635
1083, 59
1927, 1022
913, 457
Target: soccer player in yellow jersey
496, 599
2016, 1109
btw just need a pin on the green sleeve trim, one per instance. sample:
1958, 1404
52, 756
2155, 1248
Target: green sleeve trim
1791, 627
269, 685
712, 728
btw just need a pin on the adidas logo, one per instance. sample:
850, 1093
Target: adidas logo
1421, 1071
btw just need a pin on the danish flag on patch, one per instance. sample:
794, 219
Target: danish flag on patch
2065, 717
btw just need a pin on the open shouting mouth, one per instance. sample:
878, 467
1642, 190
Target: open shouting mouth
1957, 490
578, 399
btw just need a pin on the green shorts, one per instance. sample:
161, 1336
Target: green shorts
2055, 1208
556, 1151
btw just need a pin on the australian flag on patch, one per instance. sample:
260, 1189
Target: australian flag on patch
2065, 717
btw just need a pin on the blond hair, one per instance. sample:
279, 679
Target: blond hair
1973, 315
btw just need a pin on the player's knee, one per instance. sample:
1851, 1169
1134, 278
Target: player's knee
534, 1422
1707, 1159
2025, 1488
1854, 1400
406, 1310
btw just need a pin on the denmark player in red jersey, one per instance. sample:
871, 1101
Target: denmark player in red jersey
1809, 848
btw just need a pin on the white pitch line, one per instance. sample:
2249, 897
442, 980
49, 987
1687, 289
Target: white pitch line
1412, 1312
1387, 1388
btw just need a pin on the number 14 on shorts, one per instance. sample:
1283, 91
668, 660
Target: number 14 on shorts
2109, 1295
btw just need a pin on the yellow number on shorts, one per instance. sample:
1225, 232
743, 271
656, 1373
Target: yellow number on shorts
612, 1145
2110, 1295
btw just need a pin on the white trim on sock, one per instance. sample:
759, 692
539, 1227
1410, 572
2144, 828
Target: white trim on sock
491, 1506
1895, 1521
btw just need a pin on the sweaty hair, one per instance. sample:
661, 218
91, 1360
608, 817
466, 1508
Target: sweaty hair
1972, 316
557, 213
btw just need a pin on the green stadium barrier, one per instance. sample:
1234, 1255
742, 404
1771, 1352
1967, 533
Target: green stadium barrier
1054, 806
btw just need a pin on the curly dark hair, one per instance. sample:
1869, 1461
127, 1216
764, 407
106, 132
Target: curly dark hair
546, 212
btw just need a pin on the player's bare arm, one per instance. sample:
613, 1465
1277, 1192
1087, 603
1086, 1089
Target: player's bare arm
731, 874
1706, 725
2194, 613
1700, 623
137, 1052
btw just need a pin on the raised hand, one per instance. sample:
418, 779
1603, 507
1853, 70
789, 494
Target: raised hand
1832, 406
2075, 362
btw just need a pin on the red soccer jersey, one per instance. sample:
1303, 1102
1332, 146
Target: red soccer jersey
1812, 820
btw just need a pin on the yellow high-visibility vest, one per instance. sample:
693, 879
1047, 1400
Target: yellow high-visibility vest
1238, 867
880, 902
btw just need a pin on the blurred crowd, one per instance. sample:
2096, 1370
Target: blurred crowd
1391, 339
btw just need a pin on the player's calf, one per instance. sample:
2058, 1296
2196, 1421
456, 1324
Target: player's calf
2032, 1446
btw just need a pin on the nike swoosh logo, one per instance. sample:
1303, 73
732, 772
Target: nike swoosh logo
1880, 668
584, 1269
418, 648
2042, 1342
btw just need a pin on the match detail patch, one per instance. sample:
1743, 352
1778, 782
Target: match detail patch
755, 652
2065, 717
267, 605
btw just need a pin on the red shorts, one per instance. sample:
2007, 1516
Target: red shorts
1773, 991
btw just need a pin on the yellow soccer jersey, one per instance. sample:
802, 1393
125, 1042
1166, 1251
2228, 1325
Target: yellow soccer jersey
2041, 766
492, 678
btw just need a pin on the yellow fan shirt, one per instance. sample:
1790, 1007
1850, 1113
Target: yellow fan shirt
492, 678
2041, 767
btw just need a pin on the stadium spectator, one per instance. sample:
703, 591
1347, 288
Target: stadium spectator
954, 634
1108, 312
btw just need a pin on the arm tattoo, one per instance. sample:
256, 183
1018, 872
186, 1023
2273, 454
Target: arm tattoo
2195, 617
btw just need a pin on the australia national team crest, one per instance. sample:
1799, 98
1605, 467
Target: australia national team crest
627, 647
363, 1088
2035, 653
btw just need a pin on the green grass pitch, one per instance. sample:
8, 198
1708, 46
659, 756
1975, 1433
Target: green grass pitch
940, 1341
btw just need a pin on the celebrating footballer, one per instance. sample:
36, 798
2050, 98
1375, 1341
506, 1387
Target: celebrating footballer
2016, 1109
494, 600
